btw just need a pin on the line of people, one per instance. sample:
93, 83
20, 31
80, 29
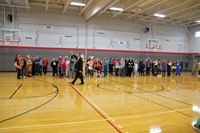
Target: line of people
64, 66
129, 66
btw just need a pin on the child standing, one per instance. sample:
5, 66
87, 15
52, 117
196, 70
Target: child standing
19, 67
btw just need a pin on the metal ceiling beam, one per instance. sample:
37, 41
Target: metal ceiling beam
193, 24
14, 6
47, 5
67, 2
96, 8
167, 9
185, 19
145, 9
182, 16
8, 2
27, 4
43, 5
185, 9
130, 6
110, 5
86, 6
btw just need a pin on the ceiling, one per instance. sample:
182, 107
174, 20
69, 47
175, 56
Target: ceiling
178, 12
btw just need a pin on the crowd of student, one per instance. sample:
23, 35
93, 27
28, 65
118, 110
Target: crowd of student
28, 66
129, 66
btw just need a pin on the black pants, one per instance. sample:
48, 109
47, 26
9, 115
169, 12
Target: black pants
78, 75
111, 69
54, 71
18, 73
45, 70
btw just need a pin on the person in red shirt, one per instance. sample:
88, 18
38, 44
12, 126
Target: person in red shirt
45, 64
63, 68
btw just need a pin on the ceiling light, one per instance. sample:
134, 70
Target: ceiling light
77, 4
159, 15
197, 34
116, 9
198, 21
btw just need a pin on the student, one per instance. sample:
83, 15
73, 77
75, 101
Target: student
169, 65
148, 66
130, 67
111, 64
60, 66
135, 67
37, 65
98, 67
163, 67
173, 68
45, 63
122, 67
186, 65
199, 69
28, 66
116, 66
105, 67
19, 67
67, 65
178, 68
63, 68
90, 64
141, 67
194, 68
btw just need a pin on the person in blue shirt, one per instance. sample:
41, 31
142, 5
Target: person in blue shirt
178, 68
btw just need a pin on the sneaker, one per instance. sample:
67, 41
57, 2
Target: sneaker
71, 83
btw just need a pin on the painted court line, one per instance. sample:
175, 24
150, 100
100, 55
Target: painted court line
150, 114
96, 108
90, 121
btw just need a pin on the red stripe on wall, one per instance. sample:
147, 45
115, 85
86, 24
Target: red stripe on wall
95, 50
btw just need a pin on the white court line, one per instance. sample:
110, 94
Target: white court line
90, 121
54, 124
150, 114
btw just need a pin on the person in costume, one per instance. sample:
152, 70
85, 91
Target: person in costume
178, 68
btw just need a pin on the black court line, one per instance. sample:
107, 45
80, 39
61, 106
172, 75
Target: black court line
159, 103
183, 88
144, 91
16, 91
157, 94
56, 93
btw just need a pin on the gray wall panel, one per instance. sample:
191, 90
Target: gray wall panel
9, 55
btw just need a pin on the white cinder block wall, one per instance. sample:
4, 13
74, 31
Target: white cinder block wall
86, 29
194, 42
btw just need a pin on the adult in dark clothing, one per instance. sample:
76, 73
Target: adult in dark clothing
130, 64
186, 65
111, 64
141, 67
54, 66
78, 69
148, 67
169, 65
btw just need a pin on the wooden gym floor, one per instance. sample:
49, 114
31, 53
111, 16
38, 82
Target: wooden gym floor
102, 105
